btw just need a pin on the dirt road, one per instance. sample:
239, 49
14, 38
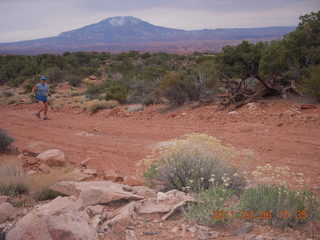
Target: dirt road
277, 131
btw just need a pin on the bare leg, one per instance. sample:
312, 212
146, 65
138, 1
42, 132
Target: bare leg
41, 107
45, 108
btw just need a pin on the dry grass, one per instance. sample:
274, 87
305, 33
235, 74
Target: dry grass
96, 105
13, 180
40, 184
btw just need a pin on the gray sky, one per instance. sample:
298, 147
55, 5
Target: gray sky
31, 19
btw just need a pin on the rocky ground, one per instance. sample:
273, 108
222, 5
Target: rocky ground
105, 147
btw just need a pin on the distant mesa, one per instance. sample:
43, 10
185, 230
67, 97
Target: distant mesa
118, 34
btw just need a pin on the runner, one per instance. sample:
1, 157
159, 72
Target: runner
40, 92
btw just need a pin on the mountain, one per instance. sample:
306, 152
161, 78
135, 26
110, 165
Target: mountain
129, 33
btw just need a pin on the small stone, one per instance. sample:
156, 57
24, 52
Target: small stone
44, 168
233, 113
245, 229
151, 233
174, 229
90, 172
31, 173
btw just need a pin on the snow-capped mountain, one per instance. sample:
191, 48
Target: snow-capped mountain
127, 33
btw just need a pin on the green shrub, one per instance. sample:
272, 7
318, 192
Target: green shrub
29, 85
194, 163
279, 206
150, 99
13, 189
211, 206
15, 82
5, 140
47, 194
117, 92
311, 85
74, 80
94, 91
55, 74
195, 171
96, 105
173, 88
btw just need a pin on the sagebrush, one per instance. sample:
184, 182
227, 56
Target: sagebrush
5, 140
193, 163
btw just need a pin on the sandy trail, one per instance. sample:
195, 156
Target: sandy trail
118, 142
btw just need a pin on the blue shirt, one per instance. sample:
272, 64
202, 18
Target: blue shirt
42, 90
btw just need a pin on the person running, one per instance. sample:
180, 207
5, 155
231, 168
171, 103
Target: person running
40, 92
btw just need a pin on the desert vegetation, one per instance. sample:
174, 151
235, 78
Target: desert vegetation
200, 165
244, 73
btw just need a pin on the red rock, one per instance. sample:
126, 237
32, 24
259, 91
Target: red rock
44, 168
27, 152
4, 199
133, 181
113, 176
308, 106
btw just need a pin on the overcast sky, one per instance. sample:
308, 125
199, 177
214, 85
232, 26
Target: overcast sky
31, 19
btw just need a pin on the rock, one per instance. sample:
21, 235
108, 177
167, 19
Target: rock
144, 191
94, 210
149, 207
290, 112
7, 211
4, 199
316, 225
244, 229
113, 176
53, 157
84, 163
27, 152
175, 209
96, 192
29, 161
31, 173
123, 216
130, 235
43, 167
135, 108
233, 113
161, 196
252, 107
279, 124
174, 229
308, 106
92, 77
133, 181
62, 218
89, 173
151, 233
264, 237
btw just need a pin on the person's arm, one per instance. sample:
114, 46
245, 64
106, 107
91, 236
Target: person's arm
34, 90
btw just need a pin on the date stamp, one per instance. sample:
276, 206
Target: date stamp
261, 215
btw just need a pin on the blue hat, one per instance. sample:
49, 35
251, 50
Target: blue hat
43, 78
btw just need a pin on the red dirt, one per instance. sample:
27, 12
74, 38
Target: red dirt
115, 139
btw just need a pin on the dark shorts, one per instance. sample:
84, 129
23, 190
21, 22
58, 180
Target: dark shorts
42, 98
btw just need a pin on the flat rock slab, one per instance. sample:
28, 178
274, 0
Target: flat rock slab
62, 218
96, 192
